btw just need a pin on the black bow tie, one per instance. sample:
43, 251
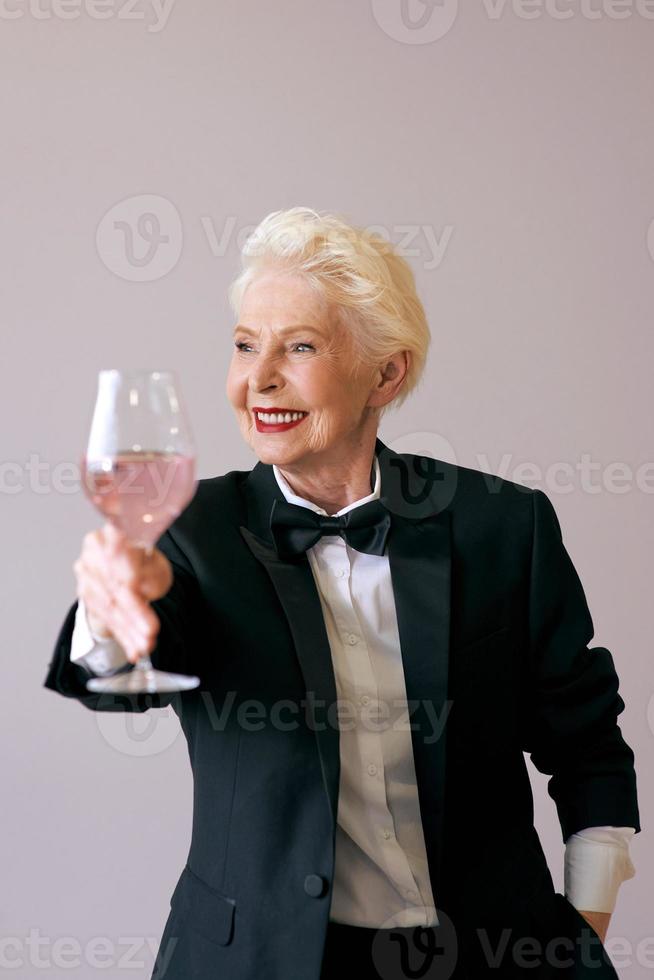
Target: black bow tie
295, 528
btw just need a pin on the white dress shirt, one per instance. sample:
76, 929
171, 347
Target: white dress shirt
381, 875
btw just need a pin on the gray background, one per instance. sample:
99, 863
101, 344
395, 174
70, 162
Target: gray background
518, 139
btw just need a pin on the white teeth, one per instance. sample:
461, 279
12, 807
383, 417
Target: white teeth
276, 418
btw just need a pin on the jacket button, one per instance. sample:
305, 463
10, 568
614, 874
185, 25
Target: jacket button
315, 886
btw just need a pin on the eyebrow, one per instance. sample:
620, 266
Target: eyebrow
286, 330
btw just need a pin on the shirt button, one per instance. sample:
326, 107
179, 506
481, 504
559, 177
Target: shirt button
387, 834
372, 769
340, 572
411, 894
365, 699
352, 638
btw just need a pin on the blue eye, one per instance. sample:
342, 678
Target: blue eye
240, 344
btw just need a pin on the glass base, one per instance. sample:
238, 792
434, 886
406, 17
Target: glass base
140, 681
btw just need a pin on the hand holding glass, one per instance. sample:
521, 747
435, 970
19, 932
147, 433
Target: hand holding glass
139, 471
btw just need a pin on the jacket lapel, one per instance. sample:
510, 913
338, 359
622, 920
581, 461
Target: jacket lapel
419, 559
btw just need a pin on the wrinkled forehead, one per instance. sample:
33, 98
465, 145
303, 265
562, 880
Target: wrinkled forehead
276, 304
275, 291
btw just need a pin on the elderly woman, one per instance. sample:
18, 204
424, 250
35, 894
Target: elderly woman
379, 638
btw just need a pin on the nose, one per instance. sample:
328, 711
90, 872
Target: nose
264, 374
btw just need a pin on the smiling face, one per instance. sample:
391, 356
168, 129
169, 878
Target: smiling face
291, 353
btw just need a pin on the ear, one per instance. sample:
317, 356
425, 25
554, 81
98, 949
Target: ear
389, 379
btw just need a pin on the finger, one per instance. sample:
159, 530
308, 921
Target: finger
137, 610
91, 544
132, 641
107, 581
97, 552
120, 606
96, 602
125, 567
109, 550
139, 614
127, 595
114, 618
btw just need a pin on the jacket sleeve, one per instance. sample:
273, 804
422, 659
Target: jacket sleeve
570, 724
182, 613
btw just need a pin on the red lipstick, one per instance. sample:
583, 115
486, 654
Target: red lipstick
277, 427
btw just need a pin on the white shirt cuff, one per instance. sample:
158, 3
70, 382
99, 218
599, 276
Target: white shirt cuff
597, 861
101, 655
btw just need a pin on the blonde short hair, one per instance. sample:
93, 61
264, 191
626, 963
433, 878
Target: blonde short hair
358, 273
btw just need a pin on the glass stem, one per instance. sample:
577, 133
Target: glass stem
143, 662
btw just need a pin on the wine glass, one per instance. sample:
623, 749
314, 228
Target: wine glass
139, 471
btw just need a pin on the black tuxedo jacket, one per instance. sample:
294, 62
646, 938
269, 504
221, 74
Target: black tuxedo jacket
494, 631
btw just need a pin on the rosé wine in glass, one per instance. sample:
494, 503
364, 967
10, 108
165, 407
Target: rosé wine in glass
141, 493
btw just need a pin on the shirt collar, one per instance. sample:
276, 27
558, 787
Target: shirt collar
292, 498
